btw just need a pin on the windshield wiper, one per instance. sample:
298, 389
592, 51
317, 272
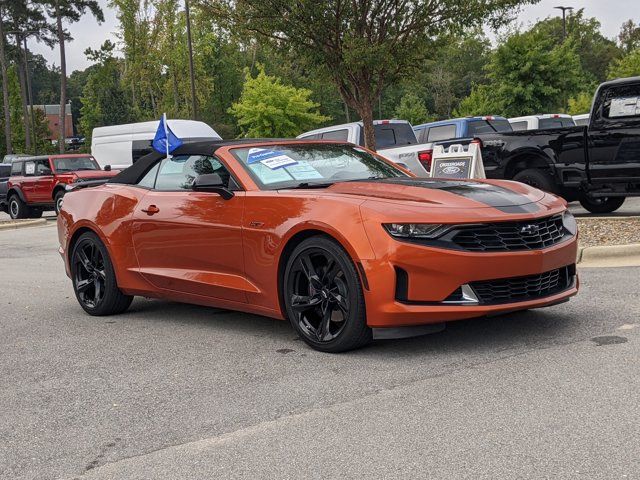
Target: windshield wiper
305, 185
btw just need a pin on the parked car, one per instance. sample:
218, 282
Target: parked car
597, 164
37, 184
581, 120
5, 172
460, 128
395, 140
121, 145
327, 235
541, 122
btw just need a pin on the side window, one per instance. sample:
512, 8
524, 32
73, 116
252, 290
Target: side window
43, 167
444, 132
385, 137
16, 168
315, 136
179, 172
29, 169
149, 180
342, 135
424, 134
519, 126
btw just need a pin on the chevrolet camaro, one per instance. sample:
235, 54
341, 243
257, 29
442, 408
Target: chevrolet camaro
329, 236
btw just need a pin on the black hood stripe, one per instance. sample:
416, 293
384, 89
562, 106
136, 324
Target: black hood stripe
494, 196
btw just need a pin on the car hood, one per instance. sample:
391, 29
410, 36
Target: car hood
504, 195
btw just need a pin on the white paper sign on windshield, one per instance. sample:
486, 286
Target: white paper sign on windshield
278, 162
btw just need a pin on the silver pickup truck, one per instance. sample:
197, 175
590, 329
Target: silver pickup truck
395, 140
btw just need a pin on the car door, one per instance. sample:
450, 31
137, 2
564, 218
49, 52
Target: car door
44, 180
28, 182
187, 241
614, 134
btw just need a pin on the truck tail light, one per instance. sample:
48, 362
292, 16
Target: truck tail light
425, 158
477, 141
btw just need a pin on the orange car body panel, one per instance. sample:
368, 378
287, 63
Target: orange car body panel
200, 248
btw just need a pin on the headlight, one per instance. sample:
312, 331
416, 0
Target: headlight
416, 230
569, 222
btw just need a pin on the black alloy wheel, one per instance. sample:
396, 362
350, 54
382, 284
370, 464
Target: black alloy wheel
93, 278
536, 178
601, 204
323, 297
17, 208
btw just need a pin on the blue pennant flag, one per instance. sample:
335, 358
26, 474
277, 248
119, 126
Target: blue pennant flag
165, 140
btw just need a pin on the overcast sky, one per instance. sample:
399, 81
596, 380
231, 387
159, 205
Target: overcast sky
87, 32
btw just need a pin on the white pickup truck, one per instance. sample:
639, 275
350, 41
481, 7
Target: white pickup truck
395, 140
542, 122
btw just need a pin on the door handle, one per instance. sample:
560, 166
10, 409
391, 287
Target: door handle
151, 210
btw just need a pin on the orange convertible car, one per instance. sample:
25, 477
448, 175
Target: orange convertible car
327, 235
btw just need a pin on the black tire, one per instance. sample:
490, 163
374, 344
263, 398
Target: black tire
35, 213
94, 281
57, 199
323, 297
536, 178
17, 208
602, 204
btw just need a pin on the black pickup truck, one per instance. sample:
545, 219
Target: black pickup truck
598, 164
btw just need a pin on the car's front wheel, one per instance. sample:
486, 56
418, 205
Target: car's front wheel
323, 297
94, 280
17, 208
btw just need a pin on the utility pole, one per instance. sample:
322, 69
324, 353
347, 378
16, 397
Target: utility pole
194, 103
564, 20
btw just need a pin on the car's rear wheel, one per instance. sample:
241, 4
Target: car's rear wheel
94, 280
17, 208
602, 204
323, 297
536, 178
58, 201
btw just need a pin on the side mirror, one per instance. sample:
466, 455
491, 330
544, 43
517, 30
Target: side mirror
107, 168
211, 182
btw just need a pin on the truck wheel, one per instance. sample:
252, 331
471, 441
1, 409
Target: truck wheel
602, 204
58, 201
537, 178
17, 208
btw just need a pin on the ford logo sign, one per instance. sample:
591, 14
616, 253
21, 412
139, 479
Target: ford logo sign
451, 170
529, 229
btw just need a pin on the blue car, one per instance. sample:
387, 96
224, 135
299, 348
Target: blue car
466, 127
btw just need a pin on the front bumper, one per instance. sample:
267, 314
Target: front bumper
434, 274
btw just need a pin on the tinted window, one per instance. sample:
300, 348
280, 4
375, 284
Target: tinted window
16, 168
394, 135
444, 132
179, 172
341, 135
43, 167
518, 126
285, 166
73, 164
5, 170
477, 127
545, 123
140, 148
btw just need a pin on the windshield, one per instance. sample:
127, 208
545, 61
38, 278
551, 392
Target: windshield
308, 166
72, 164
488, 126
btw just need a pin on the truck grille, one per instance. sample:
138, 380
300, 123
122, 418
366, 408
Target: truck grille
510, 236
520, 289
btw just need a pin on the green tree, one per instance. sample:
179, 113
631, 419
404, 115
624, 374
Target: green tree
627, 66
68, 11
104, 100
581, 103
481, 101
629, 36
412, 109
361, 45
267, 108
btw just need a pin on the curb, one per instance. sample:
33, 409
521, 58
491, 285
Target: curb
610, 256
13, 225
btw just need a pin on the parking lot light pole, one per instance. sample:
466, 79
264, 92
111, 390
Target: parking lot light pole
564, 20
194, 104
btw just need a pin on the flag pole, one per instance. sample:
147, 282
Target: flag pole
166, 133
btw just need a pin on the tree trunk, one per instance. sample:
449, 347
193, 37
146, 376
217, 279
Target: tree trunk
26, 119
5, 90
63, 82
365, 110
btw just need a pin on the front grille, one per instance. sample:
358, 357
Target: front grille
511, 236
520, 289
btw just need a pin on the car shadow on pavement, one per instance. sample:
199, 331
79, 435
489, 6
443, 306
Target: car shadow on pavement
515, 331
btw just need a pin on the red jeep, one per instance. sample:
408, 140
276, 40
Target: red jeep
38, 183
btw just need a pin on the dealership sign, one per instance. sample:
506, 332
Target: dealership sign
456, 162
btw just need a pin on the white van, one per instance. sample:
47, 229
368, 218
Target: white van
121, 145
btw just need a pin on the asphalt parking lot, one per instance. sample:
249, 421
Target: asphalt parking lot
182, 392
